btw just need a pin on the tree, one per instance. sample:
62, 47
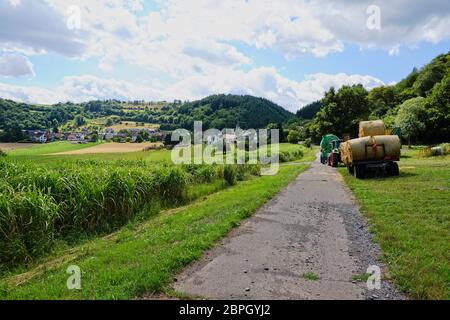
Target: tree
381, 100
94, 137
409, 118
79, 121
139, 139
309, 111
109, 122
293, 136
430, 75
438, 111
341, 112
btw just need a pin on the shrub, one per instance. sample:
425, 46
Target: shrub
308, 142
446, 148
229, 174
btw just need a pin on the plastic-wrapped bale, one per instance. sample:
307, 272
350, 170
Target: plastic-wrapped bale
371, 149
371, 128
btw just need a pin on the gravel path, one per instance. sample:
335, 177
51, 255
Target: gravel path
313, 226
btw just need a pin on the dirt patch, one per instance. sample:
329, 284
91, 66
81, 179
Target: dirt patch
15, 146
113, 148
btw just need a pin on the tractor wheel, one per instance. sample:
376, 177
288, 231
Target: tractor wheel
393, 169
359, 172
335, 162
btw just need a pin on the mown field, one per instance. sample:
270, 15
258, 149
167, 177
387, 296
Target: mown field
410, 217
55, 209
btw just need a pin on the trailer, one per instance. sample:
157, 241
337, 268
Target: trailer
380, 168
377, 154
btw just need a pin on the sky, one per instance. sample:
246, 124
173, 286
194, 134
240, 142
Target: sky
288, 51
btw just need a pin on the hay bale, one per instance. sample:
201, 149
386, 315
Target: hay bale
371, 128
370, 149
437, 151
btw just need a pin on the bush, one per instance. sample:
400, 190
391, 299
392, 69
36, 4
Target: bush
2, 154
308, 143
446, 148
293, 136
229, 174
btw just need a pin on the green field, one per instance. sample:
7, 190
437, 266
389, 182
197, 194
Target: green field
144, 257
49, 148
116, 216
410, 217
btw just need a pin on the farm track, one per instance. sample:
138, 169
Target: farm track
312, 227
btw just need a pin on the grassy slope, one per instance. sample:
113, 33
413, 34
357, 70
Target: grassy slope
144, 258
49, 148
410, 216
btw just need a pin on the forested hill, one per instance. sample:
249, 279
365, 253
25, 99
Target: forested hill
227, 111
419, 105
217, 111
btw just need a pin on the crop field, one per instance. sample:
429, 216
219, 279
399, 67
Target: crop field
133, 125
113, 147
410, 217
14, 146
49, 148
50, 201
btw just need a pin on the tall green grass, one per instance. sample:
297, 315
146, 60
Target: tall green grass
40, 203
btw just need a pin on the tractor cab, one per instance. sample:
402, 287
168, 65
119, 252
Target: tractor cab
334, 157
326, 147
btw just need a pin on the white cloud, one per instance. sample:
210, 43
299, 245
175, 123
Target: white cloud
262, 82
192, 37
27, 94
12, 65
32, 27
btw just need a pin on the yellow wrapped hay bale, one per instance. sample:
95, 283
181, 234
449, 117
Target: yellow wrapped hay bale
371, 128
371, 149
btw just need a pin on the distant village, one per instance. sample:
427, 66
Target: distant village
132, 135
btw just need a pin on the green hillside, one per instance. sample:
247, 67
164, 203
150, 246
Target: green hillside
217, 111
419, 105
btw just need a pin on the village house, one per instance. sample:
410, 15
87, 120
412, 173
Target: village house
40, 136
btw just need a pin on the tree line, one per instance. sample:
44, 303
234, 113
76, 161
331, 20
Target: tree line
419, 105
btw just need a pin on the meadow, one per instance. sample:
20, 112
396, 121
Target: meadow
410, 218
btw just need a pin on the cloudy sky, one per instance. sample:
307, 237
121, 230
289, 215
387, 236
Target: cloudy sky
289, 51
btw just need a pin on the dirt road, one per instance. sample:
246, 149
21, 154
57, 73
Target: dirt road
312, 228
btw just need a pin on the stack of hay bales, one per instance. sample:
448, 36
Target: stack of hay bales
372, 145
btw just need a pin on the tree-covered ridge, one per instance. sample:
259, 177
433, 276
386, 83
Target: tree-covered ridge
227, 111
419, 105
309, 111
217, 111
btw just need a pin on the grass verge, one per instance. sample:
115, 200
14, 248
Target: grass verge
144, 258
410, 218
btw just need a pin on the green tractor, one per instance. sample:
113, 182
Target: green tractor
327, 147
335, 155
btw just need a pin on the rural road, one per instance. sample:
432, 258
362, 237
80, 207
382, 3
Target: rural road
313, 226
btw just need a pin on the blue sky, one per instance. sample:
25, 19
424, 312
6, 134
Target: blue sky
289, 51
